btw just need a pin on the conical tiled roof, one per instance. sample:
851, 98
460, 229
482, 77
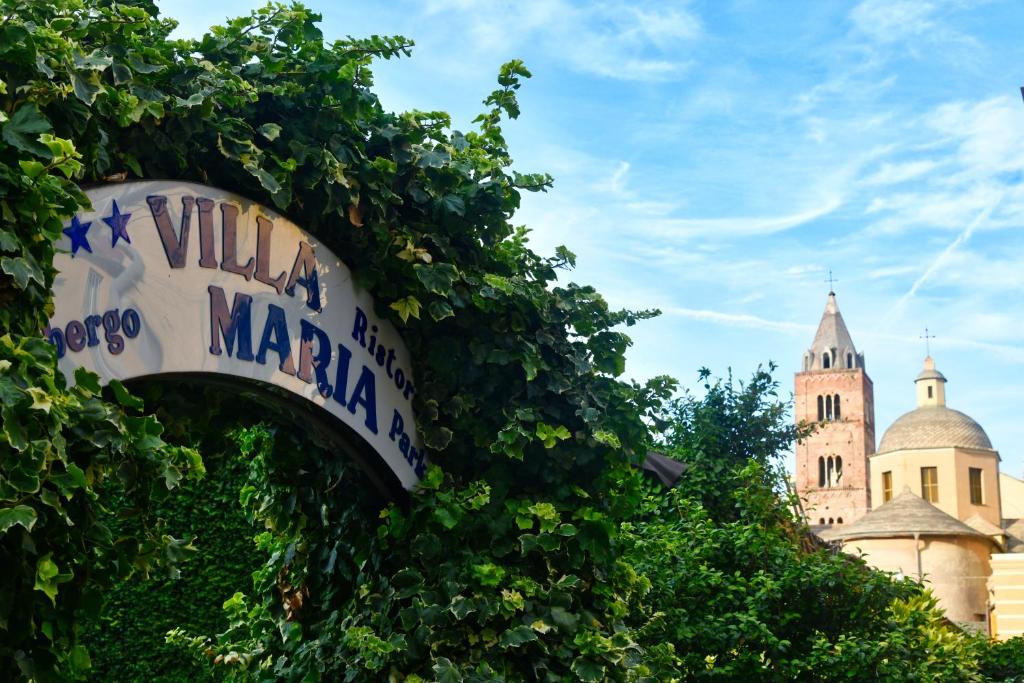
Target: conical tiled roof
832, 348
903, 516
832, 332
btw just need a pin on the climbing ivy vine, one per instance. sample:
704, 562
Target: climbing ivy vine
518, 399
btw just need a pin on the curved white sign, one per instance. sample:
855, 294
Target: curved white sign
170, 277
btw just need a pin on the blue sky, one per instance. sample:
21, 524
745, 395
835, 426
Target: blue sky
714, 159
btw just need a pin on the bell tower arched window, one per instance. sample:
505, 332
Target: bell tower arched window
821, 472
849, 360
825, 360
830, 470
821, 408
828, 407
835, 406
839, 469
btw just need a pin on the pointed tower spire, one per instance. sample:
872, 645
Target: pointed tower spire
832, 348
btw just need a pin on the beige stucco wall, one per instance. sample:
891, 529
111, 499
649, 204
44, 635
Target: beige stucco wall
1012, 496
956, 568
952, 466
1007, 587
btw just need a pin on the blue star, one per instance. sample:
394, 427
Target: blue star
118, 223
76, 231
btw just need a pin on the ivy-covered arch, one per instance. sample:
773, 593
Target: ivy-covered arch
504, 561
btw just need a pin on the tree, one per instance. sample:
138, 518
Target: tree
740, 589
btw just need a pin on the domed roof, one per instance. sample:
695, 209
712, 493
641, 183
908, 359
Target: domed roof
934, 427
903, 516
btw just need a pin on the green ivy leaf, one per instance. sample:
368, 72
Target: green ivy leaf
86, 86
433, 478
49, 576
95, 60
437, 278
439, 310
587, 669
22, 270
518, 636
23, 129
79, 659
32, 169
40, 399
87, 380
454, 204
550, 436
270, 131
445, 671
408, 306
124, 397
19, 514
268, 181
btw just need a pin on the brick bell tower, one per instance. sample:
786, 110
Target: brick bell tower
834, 391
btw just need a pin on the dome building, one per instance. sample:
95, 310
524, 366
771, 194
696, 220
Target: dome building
940, 454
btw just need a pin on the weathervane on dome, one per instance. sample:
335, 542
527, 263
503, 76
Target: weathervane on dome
927, 337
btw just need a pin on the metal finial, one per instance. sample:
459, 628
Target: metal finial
830, 280
927, 337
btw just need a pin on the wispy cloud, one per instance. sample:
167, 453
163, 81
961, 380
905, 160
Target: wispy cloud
616, 39
891, 20
688, 228
943, 257
738, 320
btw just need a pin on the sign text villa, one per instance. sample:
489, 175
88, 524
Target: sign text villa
170, 277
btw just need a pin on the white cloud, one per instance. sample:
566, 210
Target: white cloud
738, 320
943, 257
685, 228
894, 173
891, 20
616, 39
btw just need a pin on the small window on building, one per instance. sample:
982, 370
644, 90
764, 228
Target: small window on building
975, 482
825, 361
821, 473
886, 487
930, 484
821, 521
849, 360
835, 406
839, 469
828, 407
831, 472
839, 520
821, 408
831, 521
930, 392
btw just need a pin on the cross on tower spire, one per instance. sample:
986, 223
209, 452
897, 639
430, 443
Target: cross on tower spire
830, 280
927, 337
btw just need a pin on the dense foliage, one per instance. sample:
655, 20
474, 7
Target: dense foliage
741, 591
534, 550
127, 641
